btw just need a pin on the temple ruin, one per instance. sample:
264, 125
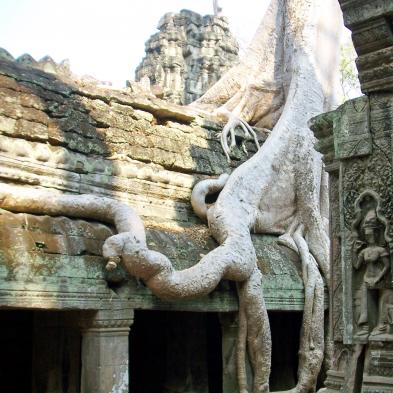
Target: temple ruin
188, 55
111, 281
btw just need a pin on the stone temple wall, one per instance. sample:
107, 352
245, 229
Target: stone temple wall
188, 55
72, 136
76, 136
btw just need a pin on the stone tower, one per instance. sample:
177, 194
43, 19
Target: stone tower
187, 55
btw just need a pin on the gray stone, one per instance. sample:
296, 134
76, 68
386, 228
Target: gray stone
5, 55
187, 56
356, 141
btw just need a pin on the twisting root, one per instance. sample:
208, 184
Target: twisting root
258, 330
229, 131
241, 345
201, 190
312, 338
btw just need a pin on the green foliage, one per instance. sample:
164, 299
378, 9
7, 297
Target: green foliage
349, 80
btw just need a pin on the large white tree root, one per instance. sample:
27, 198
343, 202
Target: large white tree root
202, 190
287, 76
312, 338
254, 327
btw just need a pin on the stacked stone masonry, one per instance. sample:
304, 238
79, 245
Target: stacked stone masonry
69, 136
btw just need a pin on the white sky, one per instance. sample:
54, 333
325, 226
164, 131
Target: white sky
104, 38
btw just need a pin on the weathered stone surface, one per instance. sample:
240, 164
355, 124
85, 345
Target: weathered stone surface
4, 54
80, 138
187, 55
56, 258
57, 132
356, 140
105, 354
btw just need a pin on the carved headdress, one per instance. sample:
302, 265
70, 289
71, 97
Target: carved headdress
368, 217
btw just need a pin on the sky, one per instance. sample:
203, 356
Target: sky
105, 39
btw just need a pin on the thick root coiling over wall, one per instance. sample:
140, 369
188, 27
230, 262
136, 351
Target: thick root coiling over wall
234, 259
202, 190
286, 77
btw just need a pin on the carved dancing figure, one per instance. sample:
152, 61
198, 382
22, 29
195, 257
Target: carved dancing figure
370, 251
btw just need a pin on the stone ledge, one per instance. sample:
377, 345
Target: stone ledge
45, 274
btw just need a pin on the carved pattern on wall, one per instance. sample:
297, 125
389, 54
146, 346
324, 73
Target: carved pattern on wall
359, 174
374, 171
352, 136
371, 261
336, 269
381, 359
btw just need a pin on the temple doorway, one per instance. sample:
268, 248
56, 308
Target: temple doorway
285, 329
174, 352
16, 343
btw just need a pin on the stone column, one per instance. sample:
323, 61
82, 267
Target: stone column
105, 351
229, 331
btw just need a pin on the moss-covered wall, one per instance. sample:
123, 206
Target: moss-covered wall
73, 136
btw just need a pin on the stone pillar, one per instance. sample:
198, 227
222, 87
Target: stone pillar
105, 351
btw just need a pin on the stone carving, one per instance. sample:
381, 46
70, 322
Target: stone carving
187, 55
371, 238
356, 140
384, 329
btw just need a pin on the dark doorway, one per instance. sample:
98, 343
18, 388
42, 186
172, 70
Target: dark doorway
285, 330
175, 351
16, 343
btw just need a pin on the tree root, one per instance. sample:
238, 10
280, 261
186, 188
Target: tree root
252, 310
312, 338
229, 131
201, 190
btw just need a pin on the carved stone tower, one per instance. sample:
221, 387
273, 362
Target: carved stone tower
187, 55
